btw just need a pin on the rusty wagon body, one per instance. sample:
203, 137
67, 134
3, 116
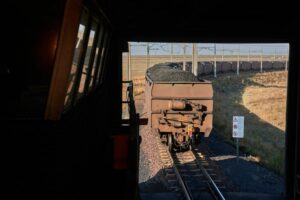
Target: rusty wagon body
179, 110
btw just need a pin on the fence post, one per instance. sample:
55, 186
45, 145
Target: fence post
195, 60
184, 52
171, 52
215, 67
274, 59
148, 53
286, 63
238, 64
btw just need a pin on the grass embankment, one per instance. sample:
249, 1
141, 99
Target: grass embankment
261, 98
138, 88
138, 85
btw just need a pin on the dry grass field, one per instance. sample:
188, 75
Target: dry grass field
139, 62
138, 85
261, 98
267, 99
138, 89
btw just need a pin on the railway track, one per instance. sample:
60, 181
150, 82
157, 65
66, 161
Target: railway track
190, 175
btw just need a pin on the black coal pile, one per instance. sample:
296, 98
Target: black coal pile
170, 72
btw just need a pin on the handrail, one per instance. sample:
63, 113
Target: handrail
134, 141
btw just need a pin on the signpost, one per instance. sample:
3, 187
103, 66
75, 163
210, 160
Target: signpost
237, 131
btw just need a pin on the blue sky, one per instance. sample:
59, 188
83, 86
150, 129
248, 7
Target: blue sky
209, 48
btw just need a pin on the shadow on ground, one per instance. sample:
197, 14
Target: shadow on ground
251, 182
262, 140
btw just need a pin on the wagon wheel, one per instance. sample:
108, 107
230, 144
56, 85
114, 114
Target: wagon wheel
170, 144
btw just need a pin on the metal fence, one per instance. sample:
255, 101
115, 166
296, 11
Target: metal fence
203, 59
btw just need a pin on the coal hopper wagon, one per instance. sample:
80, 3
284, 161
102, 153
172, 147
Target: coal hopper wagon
179, 105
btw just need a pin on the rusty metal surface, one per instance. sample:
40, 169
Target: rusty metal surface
174, 90
173, 106
177, 105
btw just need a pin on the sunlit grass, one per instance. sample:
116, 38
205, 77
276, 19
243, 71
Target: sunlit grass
268, 99
138, 89
138, 85
261, 98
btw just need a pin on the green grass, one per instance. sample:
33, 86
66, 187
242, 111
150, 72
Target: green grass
264, 137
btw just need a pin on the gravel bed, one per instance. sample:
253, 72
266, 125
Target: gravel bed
246, 174
150, 162
151, 173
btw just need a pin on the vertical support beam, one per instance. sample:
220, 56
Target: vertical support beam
171, 52
129, 62
274, 58
114, 70
184, 58
215, 61
249, 54
222, 53
237, 150
261, 61
292, 162
286, 61
194, 60
222, 57
215, 67
148, 53
238, 63
215, 49
238, 66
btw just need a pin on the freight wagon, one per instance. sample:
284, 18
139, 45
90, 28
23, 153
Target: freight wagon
179, 105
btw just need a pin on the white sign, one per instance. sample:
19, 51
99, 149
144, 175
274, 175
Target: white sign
238, 127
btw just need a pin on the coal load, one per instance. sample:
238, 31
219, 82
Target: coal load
169, 72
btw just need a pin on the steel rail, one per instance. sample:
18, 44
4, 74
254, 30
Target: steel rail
212, 183
184, 187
